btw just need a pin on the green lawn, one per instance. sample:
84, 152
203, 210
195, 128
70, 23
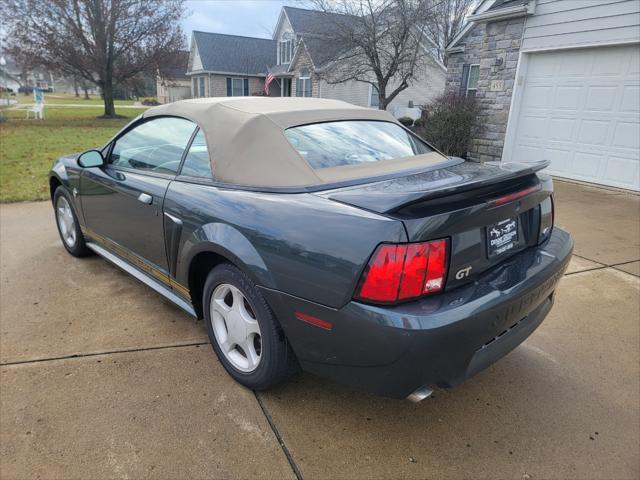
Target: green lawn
29, 147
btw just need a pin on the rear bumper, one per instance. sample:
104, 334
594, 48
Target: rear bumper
440, 340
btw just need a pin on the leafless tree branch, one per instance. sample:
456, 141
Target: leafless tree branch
105, 42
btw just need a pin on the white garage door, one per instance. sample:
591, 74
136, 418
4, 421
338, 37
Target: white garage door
580, 109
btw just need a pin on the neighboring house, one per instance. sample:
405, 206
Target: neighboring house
228, 65
172, 82
301, 48
556, 80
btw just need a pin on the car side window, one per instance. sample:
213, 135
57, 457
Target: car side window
154, 146
196, 163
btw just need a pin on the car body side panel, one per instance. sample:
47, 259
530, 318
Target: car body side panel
67, 171
302, 244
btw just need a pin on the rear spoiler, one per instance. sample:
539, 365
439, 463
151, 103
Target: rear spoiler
391, 195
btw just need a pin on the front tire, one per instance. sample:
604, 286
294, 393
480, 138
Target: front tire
243, 331
67, 223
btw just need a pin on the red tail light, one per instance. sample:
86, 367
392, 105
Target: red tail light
402, 272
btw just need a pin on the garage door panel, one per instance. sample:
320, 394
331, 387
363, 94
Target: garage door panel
535, 127
593, 132
569, 97
630, 99
601, 98
580, 109
529, 153
578, 64
586, 164
560, 159
561, 129
626, 135
538, 96
634, 65
620, 170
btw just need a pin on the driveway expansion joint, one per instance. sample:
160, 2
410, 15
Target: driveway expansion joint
276, 432
96, 354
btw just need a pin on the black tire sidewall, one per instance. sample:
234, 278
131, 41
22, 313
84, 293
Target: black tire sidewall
275, 354
80, 248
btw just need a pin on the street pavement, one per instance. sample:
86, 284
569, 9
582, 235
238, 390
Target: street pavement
102, 378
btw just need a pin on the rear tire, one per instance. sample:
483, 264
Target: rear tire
243, 331
67, 223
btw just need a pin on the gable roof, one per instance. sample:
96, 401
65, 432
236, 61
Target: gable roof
506, 3
490, 10
316, 22
233, 53
482, 7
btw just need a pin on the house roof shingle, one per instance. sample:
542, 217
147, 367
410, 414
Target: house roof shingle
234, 54
506, 3
318, 30
316, 22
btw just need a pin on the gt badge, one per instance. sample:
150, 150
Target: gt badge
463, 272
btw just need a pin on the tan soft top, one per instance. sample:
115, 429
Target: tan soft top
247, 144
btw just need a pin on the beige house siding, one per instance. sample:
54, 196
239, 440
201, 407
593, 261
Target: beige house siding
168, 91
423, 89
570, 23
352, 91
216, 84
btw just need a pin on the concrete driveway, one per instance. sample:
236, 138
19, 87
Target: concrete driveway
102, 378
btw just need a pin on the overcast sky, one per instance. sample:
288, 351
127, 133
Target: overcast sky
252, 18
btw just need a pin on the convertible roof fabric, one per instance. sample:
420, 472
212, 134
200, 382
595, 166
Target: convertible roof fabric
247, 144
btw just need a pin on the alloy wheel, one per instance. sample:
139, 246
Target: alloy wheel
236, 328
66, 222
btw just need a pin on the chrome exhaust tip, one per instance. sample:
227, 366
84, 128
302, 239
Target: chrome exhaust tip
420, 394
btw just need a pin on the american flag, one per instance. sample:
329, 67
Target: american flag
268, 79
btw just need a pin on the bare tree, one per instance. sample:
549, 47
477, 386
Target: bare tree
446, 21
381, 42
105, 42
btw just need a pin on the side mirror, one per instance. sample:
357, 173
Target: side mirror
91, 158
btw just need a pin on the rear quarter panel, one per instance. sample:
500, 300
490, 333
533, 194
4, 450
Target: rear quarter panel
300, 244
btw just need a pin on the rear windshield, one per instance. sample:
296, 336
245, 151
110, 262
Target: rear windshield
352, 142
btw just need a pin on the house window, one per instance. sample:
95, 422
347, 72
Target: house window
374, 100
470, 76
286, 51
194, 86
237, 87
202, 92
303, 84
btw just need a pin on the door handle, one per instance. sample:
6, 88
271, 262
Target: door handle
145, 198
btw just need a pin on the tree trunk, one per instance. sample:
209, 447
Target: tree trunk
107, 95
75, 87
382, 96
86, 93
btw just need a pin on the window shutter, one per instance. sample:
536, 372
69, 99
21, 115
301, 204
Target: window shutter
229, 91
464, 81
245, 87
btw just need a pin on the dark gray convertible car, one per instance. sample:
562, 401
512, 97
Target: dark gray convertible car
314, 233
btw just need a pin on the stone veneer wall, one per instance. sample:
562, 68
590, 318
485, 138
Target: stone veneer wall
486, 44
303, 60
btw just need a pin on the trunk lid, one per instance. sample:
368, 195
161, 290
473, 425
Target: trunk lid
468, 203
